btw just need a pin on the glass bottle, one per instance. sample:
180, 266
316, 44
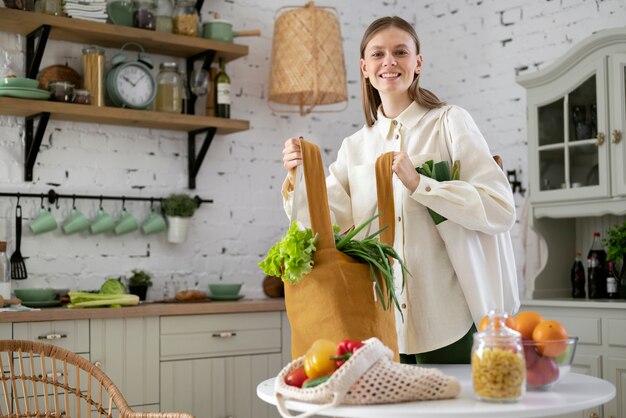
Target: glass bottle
169, 95
222, 92
498, 366
611, 283
5, 272
185, 18
578, 278
93, 74
594, 279
144, 14
164, 11
600, 276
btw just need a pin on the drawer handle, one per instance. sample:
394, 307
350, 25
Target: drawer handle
52, 336
224, 334
98, 364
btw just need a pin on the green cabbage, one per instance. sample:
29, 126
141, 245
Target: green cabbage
112, 287
292, 257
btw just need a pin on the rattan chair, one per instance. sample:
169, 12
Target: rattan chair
42, 380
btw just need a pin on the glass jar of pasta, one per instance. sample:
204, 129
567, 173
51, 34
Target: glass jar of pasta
498, 366
185, 18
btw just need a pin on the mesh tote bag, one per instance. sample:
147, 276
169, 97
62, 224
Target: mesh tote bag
336, 300
370, 376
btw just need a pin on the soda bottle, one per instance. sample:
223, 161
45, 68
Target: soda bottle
578, 278
597, 250
611, 283
594, 279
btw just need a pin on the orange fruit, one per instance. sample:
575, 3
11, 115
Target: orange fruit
510, 322
551, 338
525, 323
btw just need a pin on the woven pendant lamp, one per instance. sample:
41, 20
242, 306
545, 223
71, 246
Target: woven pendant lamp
307, 67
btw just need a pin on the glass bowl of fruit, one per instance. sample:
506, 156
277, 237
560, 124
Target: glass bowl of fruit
548, 361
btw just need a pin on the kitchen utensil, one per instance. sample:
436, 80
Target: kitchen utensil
76, 222
221, 30
154, 223
103, 222
199, 82
18, 267
44, 222
126, 223
59, 73
19, 82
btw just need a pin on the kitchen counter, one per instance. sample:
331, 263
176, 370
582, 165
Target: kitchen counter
577, 303
146, 309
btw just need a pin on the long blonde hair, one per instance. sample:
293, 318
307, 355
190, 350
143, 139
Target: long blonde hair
369, 95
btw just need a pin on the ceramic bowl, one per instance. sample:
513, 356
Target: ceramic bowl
35, 294
547, 362
225, 289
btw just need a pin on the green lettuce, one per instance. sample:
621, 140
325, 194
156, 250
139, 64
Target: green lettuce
292, 257
112, 287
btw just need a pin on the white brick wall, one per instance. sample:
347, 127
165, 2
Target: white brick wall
471, 51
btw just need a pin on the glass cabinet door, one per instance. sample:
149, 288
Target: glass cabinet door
617, 100
570, 152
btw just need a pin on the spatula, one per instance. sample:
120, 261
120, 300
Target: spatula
18, 267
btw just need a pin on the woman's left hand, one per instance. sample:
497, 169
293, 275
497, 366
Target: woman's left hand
404, 169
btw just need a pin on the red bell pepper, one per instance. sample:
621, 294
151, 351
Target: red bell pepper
345, 350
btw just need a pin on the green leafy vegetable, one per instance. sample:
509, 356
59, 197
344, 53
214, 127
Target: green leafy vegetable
112, 287
96, 300
292, 257
615, 242
441, 172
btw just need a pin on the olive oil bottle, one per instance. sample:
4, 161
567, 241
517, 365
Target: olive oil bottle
222, 93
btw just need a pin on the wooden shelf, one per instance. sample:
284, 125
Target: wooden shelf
114, 36
118, 116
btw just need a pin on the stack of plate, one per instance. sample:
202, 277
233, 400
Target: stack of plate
24, 88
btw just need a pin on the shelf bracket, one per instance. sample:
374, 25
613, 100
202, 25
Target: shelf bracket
34, 54
194, 162
207, 57
33, 141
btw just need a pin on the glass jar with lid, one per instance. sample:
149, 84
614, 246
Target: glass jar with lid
185, 18
498, 365
144, 14
164, 10
169, 97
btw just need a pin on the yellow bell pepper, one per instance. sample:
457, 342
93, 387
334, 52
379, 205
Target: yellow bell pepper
317, 360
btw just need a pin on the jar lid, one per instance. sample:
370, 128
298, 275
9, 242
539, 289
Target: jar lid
60, 84
169, 66
82, 92
93, 50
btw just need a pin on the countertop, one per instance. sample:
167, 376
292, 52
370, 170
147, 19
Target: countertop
147, 309
577, 303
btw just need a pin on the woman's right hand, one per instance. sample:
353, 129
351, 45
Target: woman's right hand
292, 157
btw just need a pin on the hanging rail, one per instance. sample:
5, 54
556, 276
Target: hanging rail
54, 196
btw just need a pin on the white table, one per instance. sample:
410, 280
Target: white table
574, 393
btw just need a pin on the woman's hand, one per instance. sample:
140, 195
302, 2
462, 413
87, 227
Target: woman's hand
403, 167
292, 157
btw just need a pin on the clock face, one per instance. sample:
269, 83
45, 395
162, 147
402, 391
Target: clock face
135, 85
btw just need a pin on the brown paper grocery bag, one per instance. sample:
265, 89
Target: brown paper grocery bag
336, 300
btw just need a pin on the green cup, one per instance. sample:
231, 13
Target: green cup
154, 223
44, 222
103, 222
74, 223
125, 224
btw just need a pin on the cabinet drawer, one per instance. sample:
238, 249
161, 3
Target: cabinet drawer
617, 333
71, 335
198, 336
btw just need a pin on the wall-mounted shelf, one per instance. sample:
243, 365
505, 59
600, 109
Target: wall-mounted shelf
114, 36
41, 27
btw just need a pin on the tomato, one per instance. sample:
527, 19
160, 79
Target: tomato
317, 360
296, 377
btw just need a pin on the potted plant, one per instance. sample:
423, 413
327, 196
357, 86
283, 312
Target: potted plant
139, 283
615, 242
178, 208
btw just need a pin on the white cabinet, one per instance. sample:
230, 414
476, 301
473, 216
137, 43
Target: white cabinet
72, 335
127, 350
211, 364
601, 350
575, 122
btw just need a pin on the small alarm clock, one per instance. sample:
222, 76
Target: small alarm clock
130, 83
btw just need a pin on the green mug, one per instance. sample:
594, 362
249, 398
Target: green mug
125, 224
44, 222
154, 223
74, 223
103, 222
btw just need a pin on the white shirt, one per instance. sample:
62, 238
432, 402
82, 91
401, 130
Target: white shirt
435, 311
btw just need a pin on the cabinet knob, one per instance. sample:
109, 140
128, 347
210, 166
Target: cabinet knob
52, 336
617, 136
98, 364
600, 139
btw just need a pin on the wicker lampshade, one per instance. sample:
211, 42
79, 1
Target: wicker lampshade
307, 67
